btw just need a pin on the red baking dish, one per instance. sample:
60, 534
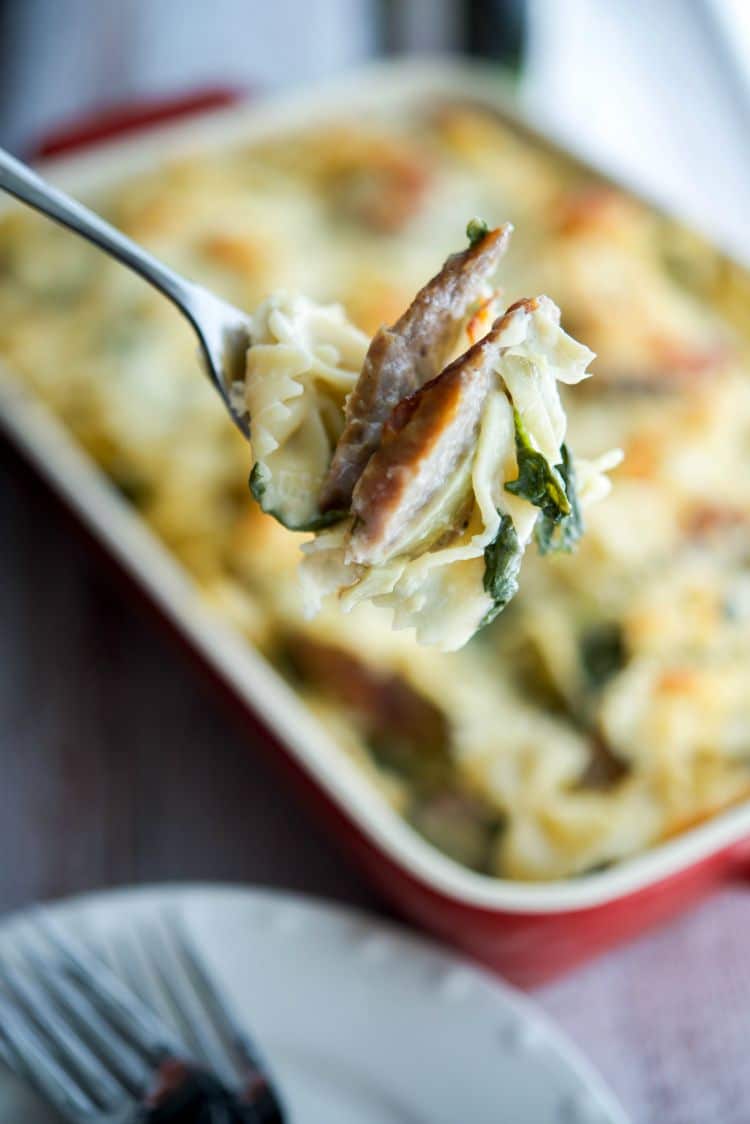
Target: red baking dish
529, 932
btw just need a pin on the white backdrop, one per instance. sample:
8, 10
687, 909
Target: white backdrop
65, 56
652, 89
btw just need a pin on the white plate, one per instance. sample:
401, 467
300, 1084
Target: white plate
363, 1023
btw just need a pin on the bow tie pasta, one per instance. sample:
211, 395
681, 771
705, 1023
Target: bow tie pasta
303, 363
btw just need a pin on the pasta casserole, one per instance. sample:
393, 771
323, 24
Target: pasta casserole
608, 706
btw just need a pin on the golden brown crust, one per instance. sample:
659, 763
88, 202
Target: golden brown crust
403, 358
374, 179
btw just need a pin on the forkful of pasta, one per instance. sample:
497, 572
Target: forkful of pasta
423, 461
426, 459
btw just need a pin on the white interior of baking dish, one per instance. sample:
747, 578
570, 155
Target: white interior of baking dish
141, 554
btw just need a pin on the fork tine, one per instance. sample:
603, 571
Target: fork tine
257, 1091
134, 1069
129, 966
96, 1080
238, 1043
115, 1001
183, 1004
26, 1052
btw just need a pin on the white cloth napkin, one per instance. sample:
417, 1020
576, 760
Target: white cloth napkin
667, 1019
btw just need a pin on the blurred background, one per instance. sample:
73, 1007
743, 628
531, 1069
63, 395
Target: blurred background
658, 92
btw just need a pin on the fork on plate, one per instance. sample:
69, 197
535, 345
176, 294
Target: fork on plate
95, 1048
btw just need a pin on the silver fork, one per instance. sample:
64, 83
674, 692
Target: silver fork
100, 1055
222, 330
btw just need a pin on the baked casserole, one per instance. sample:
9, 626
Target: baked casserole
608, 707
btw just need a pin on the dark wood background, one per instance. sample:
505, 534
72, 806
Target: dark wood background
118, 765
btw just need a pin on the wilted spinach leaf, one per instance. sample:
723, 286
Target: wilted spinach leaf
502, 562
476, 230
562, 534
602, 648
538, 482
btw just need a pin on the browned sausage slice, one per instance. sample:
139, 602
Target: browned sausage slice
404, 357
423, 442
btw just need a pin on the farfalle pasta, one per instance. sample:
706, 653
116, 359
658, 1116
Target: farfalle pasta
303, 362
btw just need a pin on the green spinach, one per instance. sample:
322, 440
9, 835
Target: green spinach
538, 482
502, 562
476, 230
551, 488
563, 534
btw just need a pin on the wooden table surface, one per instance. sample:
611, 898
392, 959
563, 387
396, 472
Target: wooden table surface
117, 764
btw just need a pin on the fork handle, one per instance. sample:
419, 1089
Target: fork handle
19, 180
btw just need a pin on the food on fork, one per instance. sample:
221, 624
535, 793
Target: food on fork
424, 482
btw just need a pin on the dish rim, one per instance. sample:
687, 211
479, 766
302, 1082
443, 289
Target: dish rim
75, 476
